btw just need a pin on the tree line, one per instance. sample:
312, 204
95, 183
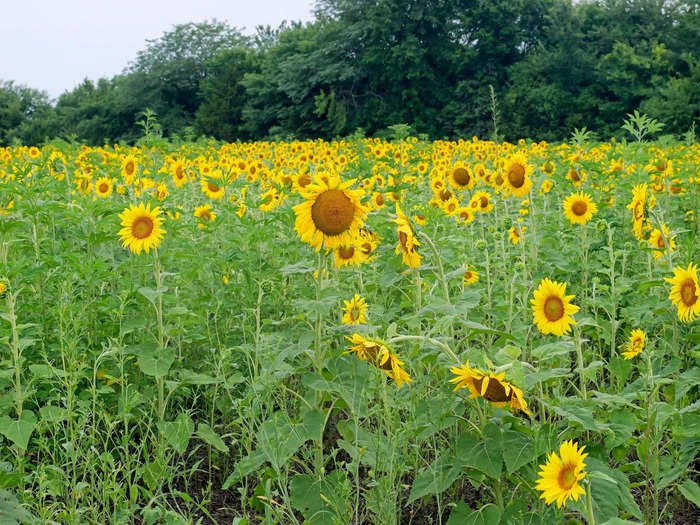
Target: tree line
446, 68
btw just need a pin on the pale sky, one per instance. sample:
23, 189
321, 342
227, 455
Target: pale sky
54, 44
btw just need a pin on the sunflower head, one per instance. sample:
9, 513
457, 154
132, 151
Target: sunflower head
685, 292
559, 477
579, 208
380, 356
354, 311
635, 345
552, 309
517, 175
141, 228
331, 214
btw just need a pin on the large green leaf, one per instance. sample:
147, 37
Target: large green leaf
19, 430
178, 433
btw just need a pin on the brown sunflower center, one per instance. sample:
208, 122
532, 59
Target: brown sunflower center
575, 175
579, 208
553, 308
379, 199
516, 175
205, 216
638, 210
129, 168
688, 293
142, 227
403, 239
484, 202
461, 176
445, 195
367, 248
346, 252
495, 391
104, 187
178, 172
567, 477
332, 212
468, 275
660, 242
304, 181
213, 187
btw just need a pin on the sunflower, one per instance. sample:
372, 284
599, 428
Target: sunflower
552, 309
206, 214
211, 187
559, 477
635, 344
579, 208
408, 244
492, 387
179, 174
129, 168
332, 213
465, 215
482, 202
546, 186
3, 287
684, 292
141, 228
658, 244
350, 255
470, 276
379, 355
638, 207
517, 175
515, 234
104, 187
460, 177
354, 311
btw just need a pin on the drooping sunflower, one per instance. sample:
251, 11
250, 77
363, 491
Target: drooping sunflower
460, 177
408, 244
380, 356
179, 174
579, 208
635, 346
470, 276
141, 228
492, 387
354, 311
552, 309
638, 207
559, 477
517, 175
515, 234
104, 187
206, 214
331, 214
657, 242
685, 292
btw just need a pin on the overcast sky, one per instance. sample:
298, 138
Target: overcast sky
54, 44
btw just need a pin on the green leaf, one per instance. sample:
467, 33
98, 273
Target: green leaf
686, 381
11, 511
19, 430
245, 466
518, 450
551, 350
206, 434
691, 491
151, 294
472, 451
436, 478
462, 514
156, 362
178, 433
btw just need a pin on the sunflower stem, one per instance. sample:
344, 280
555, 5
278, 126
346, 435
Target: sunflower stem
590, 517
435, 342
579, 355
438, 261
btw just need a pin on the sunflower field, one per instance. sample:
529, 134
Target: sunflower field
350, 332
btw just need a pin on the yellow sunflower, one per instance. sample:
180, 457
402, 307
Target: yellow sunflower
211, 185
684, 292
552, 309
408, 244
492, 387
104, 187
482, 202
656, 241
635, 345
460, 177
355, 310
141, 228
331, 214
129, 168
638, 207
515, 234
465, 215
559, 477
579, 208
179, 174
380, 356
470, 276
517, 175
351, 255
206, 214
